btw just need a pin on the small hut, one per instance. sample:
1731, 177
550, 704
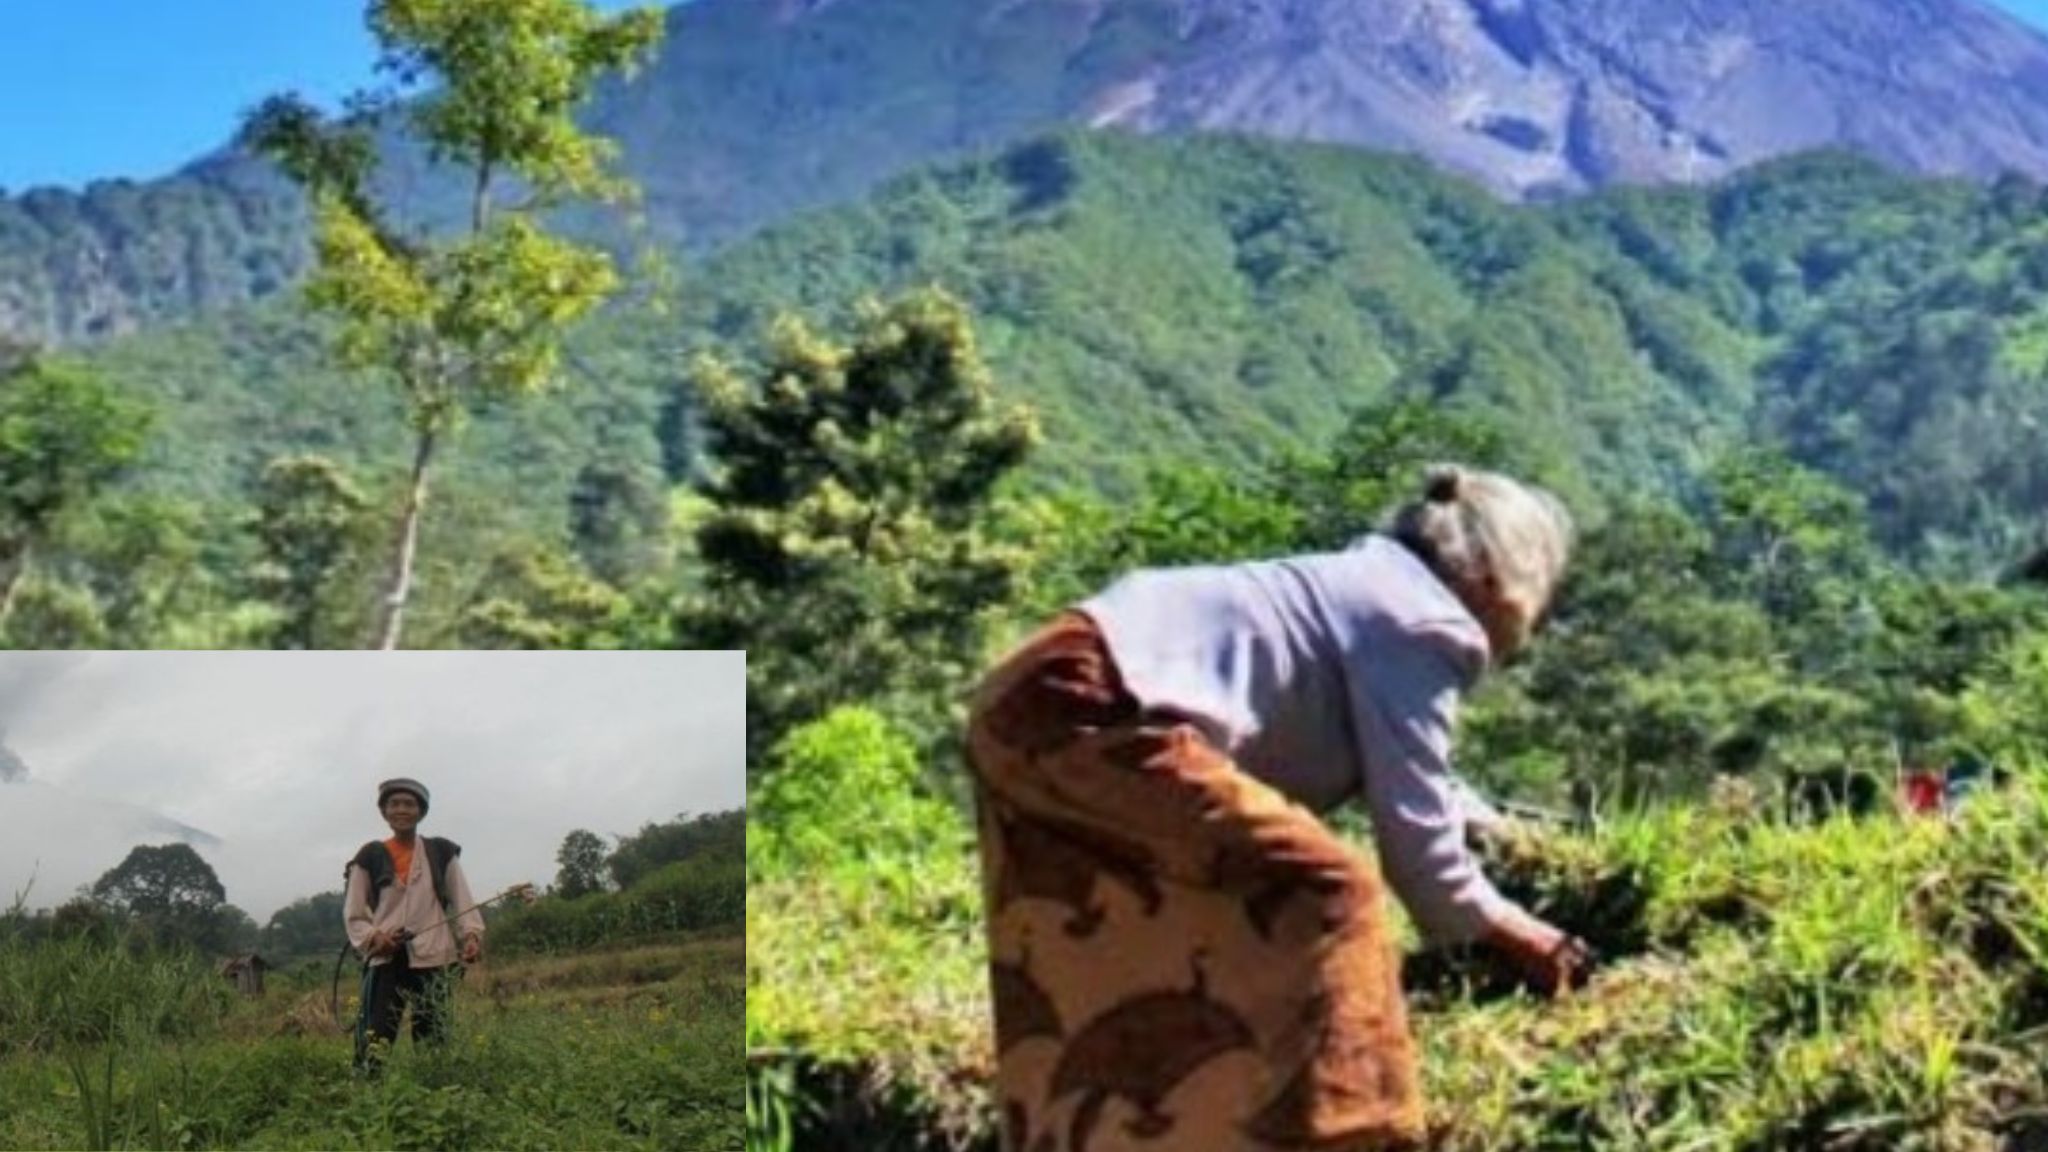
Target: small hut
246, 972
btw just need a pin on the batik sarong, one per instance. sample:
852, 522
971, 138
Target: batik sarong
1181, 957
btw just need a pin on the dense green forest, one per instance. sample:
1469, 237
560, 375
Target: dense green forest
1226, 301
123, 256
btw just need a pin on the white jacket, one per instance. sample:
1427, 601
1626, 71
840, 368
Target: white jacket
411, 905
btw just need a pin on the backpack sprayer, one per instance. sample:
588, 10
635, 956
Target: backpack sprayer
523, 892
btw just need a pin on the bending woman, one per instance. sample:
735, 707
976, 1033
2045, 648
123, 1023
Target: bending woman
1183, 955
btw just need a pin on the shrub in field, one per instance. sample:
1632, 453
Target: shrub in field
839, 971
845, 791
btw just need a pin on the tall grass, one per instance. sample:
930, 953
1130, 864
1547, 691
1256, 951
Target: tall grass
63, 992
540, 1059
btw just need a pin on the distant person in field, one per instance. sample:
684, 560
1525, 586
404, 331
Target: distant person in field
1179, 947
402, 894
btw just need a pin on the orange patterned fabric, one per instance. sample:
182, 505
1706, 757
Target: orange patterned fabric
1181, 958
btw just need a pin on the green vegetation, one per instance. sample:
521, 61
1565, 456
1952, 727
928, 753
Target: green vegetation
1224, 303
677, 876
846, 532
63, 436
624, 1049
1785, 966
122, 256
1860, 983
459, 324
607, 1021
1795, 412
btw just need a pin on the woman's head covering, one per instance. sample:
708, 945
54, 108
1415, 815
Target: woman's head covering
402, 784
1477, 527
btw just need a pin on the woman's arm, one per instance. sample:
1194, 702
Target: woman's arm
1404, 709
1405, 712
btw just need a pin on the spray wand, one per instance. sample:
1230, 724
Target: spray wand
523, 892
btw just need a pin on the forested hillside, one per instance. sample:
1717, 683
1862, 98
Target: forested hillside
1233, 297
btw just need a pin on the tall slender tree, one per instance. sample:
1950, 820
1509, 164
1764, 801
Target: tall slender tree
490, 87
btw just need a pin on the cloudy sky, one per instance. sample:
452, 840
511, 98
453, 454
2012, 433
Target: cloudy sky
278, 756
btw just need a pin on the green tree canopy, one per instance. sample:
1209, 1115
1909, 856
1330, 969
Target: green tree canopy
582, 863
64, 435
459, 322
848, 547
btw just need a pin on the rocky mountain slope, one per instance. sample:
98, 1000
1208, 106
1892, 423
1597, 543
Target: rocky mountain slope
758, 109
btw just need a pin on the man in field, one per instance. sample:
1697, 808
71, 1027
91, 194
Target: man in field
401, 894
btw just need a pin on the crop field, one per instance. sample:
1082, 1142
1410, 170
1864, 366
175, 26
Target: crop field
1878, 982
634, 1048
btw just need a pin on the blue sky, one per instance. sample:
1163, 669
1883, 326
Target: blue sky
91, 89
2033, 11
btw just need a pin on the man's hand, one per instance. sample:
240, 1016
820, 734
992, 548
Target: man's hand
472, 949
380, 943
1550, 961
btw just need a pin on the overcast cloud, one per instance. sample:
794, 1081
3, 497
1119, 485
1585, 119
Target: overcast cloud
278, 756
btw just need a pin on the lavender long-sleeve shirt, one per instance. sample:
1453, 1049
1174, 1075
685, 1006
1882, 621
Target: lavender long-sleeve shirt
1325, 676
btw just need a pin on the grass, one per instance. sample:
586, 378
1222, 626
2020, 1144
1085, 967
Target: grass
634, 1049
1857, 984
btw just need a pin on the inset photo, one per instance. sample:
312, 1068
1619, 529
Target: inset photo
352, 900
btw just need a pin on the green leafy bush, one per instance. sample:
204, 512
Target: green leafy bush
845, 791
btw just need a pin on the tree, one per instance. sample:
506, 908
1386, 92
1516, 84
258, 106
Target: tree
460, 322
582, 860
1378, 461
1793, 541
168, 879
534, 598
143, 562
227, 929
63, 436
617, 518
847, 549
715, 835
308, 926
81, 919
173, 894
307, 526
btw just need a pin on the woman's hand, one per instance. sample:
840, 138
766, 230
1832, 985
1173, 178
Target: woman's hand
1549, 960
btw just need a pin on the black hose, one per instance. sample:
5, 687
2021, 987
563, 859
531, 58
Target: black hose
334, 993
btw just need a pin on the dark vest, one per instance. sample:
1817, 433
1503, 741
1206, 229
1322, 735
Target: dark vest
375, 859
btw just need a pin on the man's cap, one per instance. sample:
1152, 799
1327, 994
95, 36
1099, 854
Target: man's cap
402, 784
